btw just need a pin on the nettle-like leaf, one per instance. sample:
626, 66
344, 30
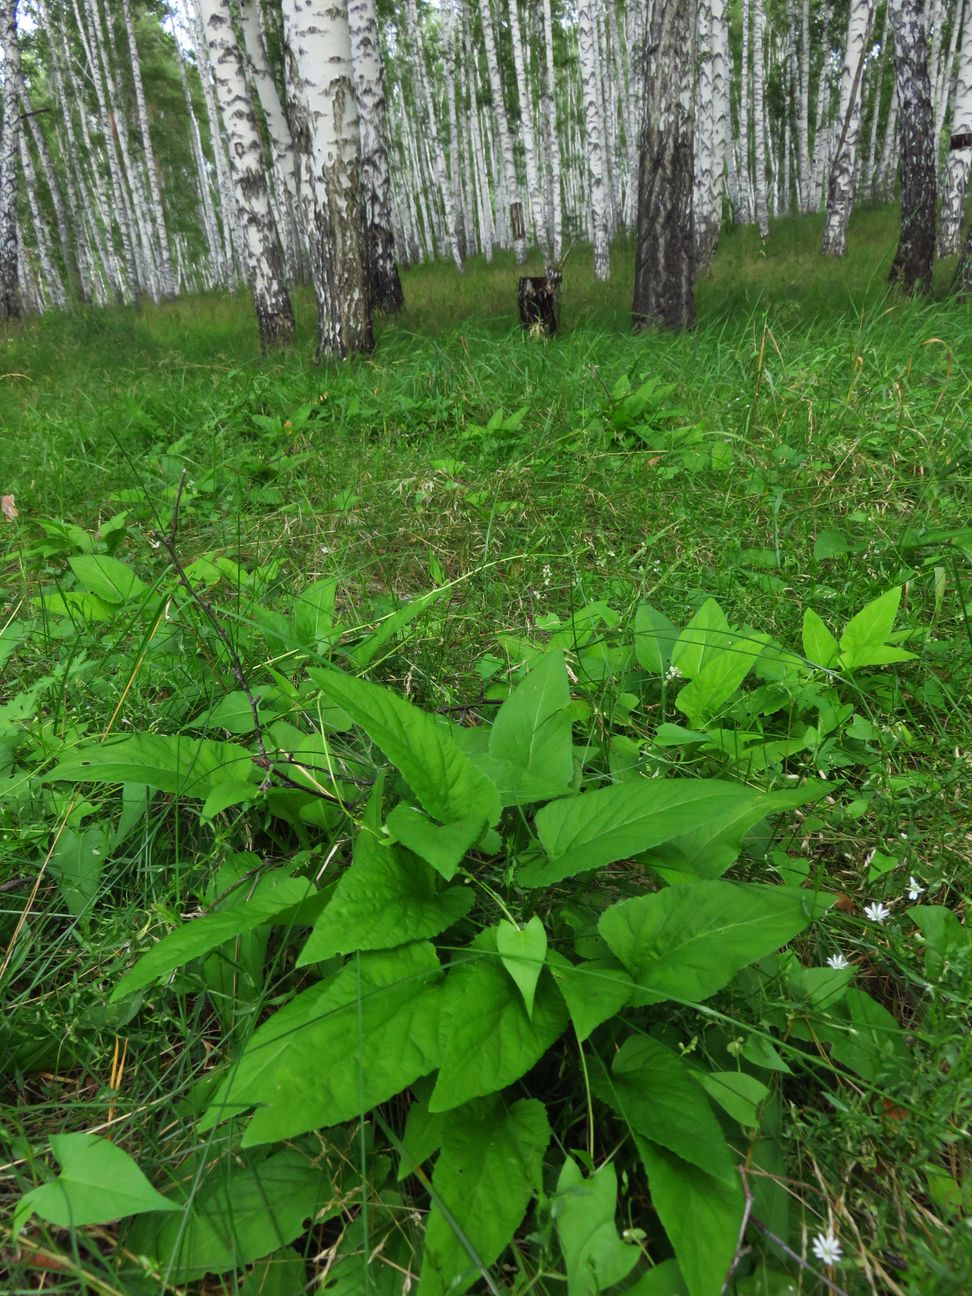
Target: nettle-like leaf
613, 823
712, 687
687, 942
336, 1050
701, 1214
237, 1216
490, 1165
190, 767
273, 895
594, 991
76, 864
865, 638
107, 578
444, 846
487, 1039
584, 1209
98, 1182
705, 635
446, 782
530, 755
819, 644
657, 1096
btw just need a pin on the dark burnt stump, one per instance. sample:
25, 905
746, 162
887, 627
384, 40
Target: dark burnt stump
539, 300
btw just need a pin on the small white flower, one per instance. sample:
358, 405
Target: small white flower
838, 962
673, 673
915, 889
547, 573
827, 1248
877, 912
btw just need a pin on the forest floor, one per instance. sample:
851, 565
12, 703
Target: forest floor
806, 447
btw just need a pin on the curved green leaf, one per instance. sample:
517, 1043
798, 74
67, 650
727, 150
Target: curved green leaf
169, 762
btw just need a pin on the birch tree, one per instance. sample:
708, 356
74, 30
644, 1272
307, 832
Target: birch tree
959, 158
840, 189
275, 316
317, 45
665, 239
596, 160
912, 265
10, 300
759, 121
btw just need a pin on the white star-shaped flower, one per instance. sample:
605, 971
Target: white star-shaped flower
838, 962
915, 889
826, 1248
877, 912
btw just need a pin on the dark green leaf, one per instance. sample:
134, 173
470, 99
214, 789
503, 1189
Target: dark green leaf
531, 735
584, 1210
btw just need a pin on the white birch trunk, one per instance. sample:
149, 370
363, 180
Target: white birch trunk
551, 139
717, 117
51, 284
759, 122
166, 279
587, 44
959, 160
534, 194
840, 190
11, 306
275, 316
506, 160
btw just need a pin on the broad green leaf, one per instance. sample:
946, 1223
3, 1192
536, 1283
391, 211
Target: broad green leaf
422, 1137
226, 795
584, 1211
738, 1094
75, 603
314, 615
98, 1182
701, 1215
654, 639
872, 1042
486, 1038
447, 784
282, 1273
76, 864
274, 894
169, 762
522, 951
706, 634
338, 1049
819, 644
869, 629
386, 898
490, 1165
688, 942
663, 1279
444, 847
108, 578
593, 990
531, 735
596, 828
720, 677
237, 1216
656, 1095
945, 937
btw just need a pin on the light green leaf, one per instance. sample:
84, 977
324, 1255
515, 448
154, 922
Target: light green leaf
487, 1040
226, 795
490, 1165
701, 1215
688, 942
654, 639
169, 762
338, 1049
447, 784
584, 1210
275, 893
108, 578
593, 990
367, 649
706, 634
314, 615
656, 1095
739, 1095
237, 1216
819, 645
443, 847
663, 1279
531, 735
98, 1182
386, 898
872, 1043
588, 831
945, 937
523, 950
76, 864
719, 678
869, 630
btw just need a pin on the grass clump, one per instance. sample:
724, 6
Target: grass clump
536, 766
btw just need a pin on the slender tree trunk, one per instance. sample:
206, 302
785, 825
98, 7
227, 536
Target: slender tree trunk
840, 191
11, 307
514, 205
665, 247
551, 137
275, 316
52, 285
596, 161
317, 44
959, 159
913, 261
534, 195
759, 121
803, 110
384, 284
743, 171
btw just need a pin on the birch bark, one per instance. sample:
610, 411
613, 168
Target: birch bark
551, 137
166, 279
840, 190
324, 107
759, 122
275, 316
912, 265
959, 160
11, 307
506, 159
534, 194
587, 44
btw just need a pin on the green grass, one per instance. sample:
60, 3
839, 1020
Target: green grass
810, 448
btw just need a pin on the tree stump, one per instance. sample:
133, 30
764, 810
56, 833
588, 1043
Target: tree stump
539, 300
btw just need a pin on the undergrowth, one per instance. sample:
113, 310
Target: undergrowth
492, 816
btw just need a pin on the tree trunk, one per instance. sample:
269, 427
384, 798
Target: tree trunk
959, 160
665, 247
913, 261
840, 191
11, 307
324, 108
759, 122
505, 141
551, 138
596, 161
275, 315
